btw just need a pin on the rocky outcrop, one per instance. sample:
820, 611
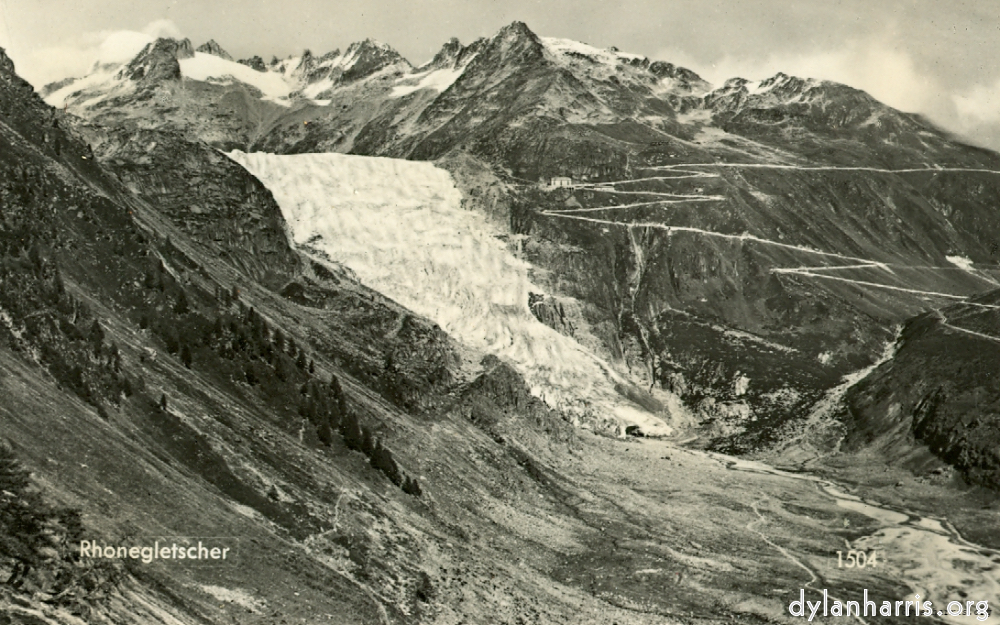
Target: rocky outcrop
211, 47
550, 311
17, 96
206, 195
368, 57
158, 61
254, 62
500, 403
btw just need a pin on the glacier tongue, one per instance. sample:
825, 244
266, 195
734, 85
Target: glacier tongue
400, 227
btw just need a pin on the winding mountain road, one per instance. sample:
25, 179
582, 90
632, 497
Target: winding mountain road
806, 270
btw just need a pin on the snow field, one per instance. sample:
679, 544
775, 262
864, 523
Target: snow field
205, 67
438, 80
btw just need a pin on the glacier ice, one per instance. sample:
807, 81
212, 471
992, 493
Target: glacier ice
399, 225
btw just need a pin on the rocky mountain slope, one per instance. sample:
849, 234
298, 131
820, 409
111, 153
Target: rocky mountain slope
939, 390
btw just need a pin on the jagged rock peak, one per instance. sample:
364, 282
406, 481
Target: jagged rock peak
517, 29
784, 84
447, 55
254, 62
453, 54
329, 56
158, 60
515, 40
372, 49
213, 48
364, 58
6, 65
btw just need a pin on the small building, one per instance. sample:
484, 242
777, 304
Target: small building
561, 181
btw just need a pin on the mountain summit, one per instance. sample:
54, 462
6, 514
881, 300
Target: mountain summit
158, 61
210, 47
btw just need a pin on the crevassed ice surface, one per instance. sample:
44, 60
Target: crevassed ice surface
400, 227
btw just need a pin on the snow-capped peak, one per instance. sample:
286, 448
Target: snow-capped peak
611, 64
576, 49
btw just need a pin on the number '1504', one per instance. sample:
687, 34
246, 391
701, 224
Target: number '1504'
857, 559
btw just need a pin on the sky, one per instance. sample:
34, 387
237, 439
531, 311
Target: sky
941, 59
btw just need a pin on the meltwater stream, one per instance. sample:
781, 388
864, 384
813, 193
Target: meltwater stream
399, 225
927, 554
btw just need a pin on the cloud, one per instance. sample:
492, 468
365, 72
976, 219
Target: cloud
977, 114
980, 105
76, 56
121, 45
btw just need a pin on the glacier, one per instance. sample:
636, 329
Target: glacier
400, 226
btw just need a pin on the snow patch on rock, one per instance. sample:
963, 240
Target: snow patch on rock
960, 261
437, 80
234, 595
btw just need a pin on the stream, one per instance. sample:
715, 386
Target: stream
926, 553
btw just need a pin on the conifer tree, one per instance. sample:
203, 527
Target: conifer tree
18, 526
381, 459
325, 433
367, 443
181, 307
96, 333
411, 486
340, 403
351, 431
